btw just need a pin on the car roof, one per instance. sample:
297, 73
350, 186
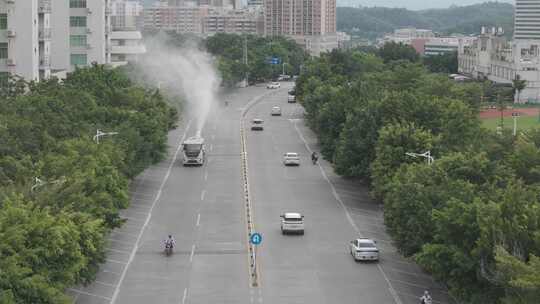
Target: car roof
276, 107
257, 119
291, 153
365, 240
292, 215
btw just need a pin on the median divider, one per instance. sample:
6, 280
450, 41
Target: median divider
253, 266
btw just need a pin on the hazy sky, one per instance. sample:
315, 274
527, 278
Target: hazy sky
413, 4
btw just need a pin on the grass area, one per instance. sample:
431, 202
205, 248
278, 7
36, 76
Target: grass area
523, 122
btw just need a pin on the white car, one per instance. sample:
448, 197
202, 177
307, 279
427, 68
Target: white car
257, 124
364, 249
291, 158
276, 111
291, 98
273, 85
292, 222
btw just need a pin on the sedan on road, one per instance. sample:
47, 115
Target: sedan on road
257, 124
273, 85
291, 158
364, 249
276, 111
292, 222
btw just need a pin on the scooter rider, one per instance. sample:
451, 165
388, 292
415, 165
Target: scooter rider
169, 242
426, 298
314, 157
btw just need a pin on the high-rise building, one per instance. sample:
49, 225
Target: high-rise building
193, 18
312, 23
126, 40
44, 38
527, 19
25, 42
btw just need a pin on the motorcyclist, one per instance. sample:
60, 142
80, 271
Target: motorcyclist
314, 157
169, 242
426, 298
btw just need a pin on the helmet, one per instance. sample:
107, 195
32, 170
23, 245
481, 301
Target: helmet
426, 293
170, 236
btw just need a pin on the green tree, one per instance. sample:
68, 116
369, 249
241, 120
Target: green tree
518, 85
392, 51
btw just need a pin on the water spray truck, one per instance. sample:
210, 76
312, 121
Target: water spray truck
193, 150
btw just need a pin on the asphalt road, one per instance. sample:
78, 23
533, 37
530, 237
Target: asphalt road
203, 208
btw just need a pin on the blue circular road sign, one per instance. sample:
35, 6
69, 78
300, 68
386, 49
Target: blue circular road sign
255, 239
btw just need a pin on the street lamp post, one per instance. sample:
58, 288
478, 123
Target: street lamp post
426, 155
99, 134
39, 182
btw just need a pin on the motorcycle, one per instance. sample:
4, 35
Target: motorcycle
314, 159
168, 249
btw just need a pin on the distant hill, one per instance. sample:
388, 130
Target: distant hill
373, 22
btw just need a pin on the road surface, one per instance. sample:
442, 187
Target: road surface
203, 208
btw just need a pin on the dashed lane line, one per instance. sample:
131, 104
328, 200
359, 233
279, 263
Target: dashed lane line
391, 289
158, 196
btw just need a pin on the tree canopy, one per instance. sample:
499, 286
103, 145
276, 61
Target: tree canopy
60, 191
472, 217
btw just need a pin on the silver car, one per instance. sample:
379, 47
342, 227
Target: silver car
292, 222
364, 249
276, 111
291, 158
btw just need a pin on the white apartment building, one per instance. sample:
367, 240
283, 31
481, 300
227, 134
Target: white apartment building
25, 38
125, 39
43, 38
527, 20
493, 57
406, 35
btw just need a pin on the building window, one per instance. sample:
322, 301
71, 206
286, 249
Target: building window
3, 50
77, 40
77, 21
3, 21
4, 79
77, 3
78, 59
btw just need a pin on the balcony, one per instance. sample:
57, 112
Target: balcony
128, 49
108, 11
44, 6
44, 34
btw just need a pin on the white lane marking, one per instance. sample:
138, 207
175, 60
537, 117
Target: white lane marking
88, 294
158, 195
116, 250
192, 253
393, 292
198, 219
105, 284
113, 272
185, 296
203, 194
116, 261
205, 175
119, 241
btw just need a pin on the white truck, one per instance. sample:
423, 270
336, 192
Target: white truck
193, 151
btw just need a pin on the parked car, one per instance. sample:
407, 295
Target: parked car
292, 222
364, 249
257, 124
273, 85
276, 111
291, 158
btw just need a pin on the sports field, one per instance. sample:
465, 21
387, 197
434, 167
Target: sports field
529, 118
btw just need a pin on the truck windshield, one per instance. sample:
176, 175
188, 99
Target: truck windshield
192, 147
